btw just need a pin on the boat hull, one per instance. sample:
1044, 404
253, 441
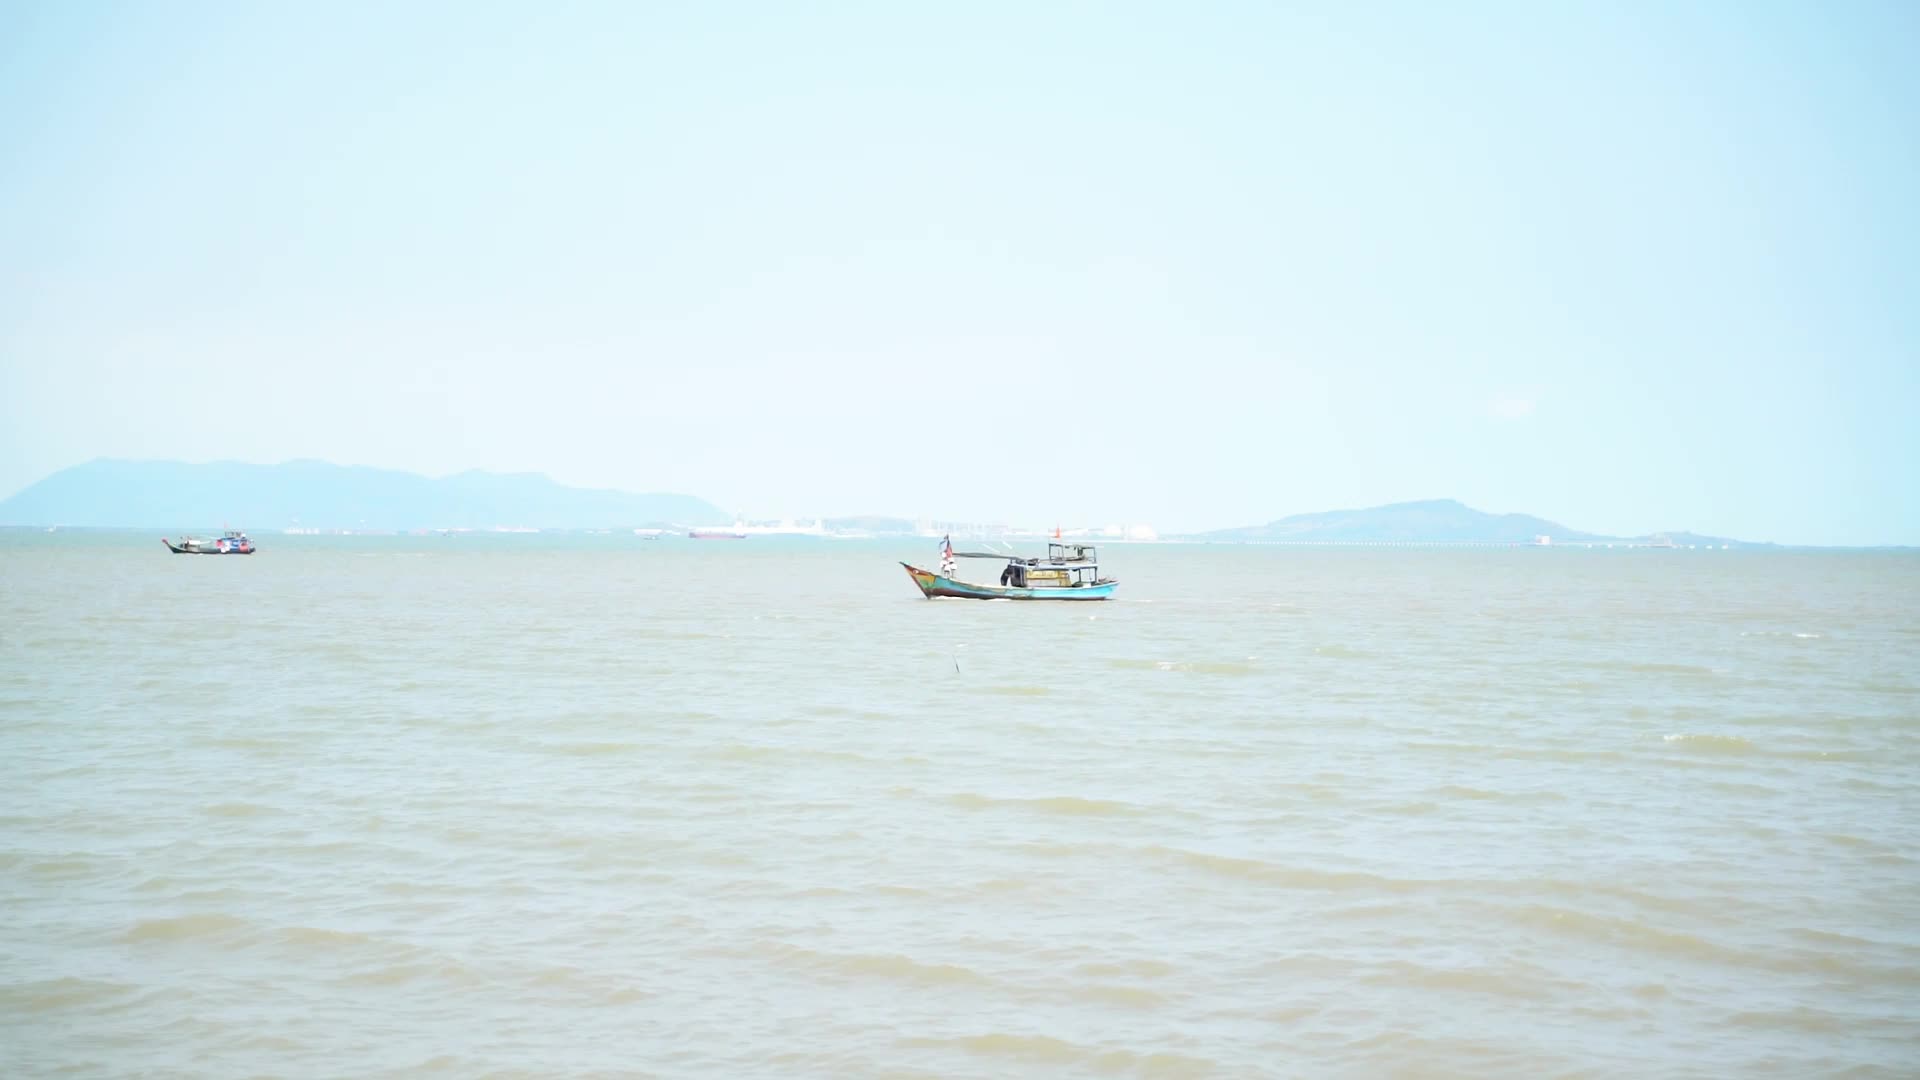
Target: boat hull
207, 550
935, 586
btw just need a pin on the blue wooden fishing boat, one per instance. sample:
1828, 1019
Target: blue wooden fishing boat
1068, 572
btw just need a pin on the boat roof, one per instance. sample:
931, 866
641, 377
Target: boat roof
1024, 560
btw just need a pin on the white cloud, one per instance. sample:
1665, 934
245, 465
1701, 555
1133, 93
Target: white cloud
1510, 407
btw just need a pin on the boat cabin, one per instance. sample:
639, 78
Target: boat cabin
1021, 575
1058, 552
1067, 566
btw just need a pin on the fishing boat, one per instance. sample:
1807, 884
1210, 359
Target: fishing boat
1068, 572
233, 543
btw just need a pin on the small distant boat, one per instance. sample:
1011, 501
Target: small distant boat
233, 543
1068, 572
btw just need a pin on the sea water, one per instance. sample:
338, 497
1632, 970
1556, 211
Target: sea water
546, 806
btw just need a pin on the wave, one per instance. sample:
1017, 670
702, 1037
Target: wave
240, 810
1516, 753
1284, 876
1039, 849
1125, 997
1828, 938
251, 743
445, 972
1696, 671
1461, 791
1136, 969
1711, 743
1045, 1050
1802, 1018
595, 749
1065, 805
187, 928
1890, 688
763, 752
1036, 1049
1532, 984
1824, 962
1576, 891
1631, 933
323, 939
1342, 652
1195, 667
599, 988
63, 869
888, 966
68, 992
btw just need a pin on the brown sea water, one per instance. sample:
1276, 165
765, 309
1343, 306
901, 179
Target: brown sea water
597, 806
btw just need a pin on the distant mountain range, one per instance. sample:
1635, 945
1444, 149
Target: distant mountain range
316, 494
171, 495
1432, 521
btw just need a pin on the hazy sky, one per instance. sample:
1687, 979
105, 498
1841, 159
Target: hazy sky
1631, 266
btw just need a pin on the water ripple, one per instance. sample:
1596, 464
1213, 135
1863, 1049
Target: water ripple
559, 806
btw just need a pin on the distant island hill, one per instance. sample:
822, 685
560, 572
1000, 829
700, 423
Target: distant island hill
316, 496
1442, 521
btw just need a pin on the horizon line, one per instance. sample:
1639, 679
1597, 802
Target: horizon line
1578, 535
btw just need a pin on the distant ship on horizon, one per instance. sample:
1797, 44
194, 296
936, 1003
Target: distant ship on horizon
740, 530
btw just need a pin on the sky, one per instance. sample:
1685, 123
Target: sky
1631, 267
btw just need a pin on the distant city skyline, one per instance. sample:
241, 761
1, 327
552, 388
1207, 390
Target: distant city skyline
1629, 268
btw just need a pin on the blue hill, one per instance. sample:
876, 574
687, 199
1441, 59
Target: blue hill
1428, 521
316, 494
